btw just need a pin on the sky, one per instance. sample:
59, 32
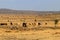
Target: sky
37, 5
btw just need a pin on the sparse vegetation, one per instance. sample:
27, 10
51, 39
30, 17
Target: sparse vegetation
8, 31
12, 29
56, 21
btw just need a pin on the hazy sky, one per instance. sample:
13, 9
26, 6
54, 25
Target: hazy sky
41, 5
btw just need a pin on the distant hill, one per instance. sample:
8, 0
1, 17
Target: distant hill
27, 11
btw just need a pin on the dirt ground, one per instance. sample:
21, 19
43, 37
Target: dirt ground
48, 34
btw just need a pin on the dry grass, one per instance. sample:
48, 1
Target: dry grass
47, 34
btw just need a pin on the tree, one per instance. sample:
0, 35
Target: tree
56, 21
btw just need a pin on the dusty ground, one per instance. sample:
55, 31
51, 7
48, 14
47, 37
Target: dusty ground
47, 34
